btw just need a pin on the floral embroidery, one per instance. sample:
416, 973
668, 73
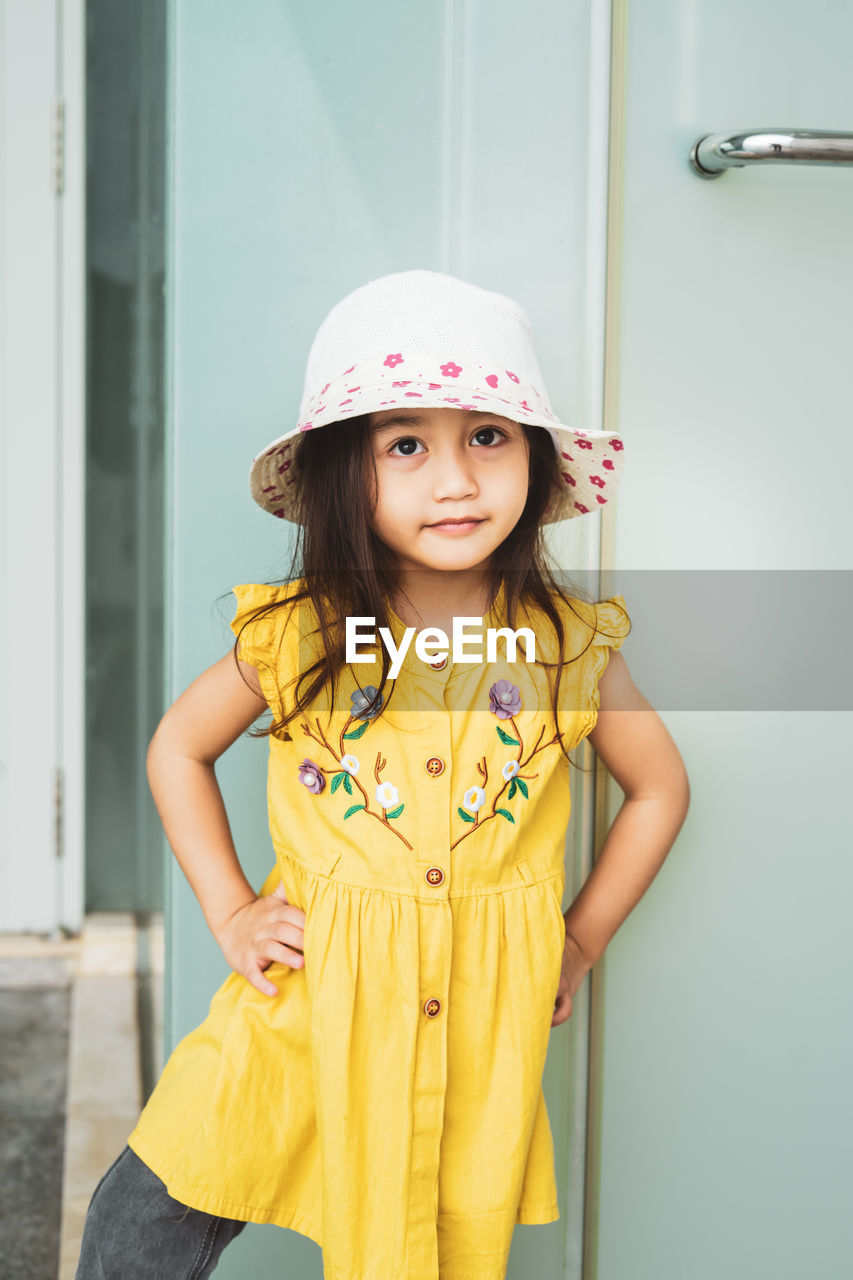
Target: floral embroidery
361, 701
387, 795
616, 444
393, 361
312, 776
504, 699
505, 703
346, 768
451, 370
584, 444
511, 375
597, 480
475, 798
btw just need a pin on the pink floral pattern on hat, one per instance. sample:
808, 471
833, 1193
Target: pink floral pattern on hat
379, 319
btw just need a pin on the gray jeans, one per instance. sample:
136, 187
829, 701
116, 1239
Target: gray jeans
135, 1231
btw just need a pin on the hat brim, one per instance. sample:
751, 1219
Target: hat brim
590, 461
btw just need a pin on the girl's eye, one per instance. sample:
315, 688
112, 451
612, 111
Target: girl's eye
407, 452
484, 431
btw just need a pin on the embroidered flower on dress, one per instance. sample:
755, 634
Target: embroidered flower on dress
351, 764
504, 699
474, 799
393, 361
311, 776
451, 370
509, 770
361, 700
387, 795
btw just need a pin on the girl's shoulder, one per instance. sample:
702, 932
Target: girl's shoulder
255, 596
587, 625
265, 617
269, 625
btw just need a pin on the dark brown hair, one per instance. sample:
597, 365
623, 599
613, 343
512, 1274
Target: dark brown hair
348, 570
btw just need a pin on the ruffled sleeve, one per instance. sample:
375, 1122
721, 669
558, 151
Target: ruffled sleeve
262, 637
600, 628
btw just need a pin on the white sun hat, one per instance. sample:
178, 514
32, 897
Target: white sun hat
420, 338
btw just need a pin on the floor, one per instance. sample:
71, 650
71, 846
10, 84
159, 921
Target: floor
71, 1070
34, 1017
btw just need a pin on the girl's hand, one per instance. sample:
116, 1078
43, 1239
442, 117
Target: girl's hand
260, 932
575, 968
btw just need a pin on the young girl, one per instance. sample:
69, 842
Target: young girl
370, 1072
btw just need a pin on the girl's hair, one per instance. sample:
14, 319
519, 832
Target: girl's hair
348, 571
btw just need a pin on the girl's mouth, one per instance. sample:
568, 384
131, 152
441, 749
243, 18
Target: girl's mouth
455, 526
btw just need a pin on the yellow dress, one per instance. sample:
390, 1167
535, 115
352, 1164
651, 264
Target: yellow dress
388, 1102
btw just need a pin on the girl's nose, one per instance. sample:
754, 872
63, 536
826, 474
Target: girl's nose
454, 474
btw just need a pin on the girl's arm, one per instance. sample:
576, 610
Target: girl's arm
199, 726
636, 747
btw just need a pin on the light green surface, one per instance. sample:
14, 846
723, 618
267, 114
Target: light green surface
728, 1048
315, 147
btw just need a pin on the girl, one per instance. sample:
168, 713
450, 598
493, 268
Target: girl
370, 1072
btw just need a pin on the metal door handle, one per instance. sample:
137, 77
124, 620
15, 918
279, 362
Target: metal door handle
713, 153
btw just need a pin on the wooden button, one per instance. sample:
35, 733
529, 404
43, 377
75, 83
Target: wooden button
434, 766
434, 876
432, 1007
439, 664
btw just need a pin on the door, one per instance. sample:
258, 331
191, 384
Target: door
725, 1051
41, 465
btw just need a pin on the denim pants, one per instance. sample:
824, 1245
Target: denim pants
135, 1231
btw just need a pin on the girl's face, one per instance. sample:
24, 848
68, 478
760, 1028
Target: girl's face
438, 466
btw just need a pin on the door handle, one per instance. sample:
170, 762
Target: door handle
713, 153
